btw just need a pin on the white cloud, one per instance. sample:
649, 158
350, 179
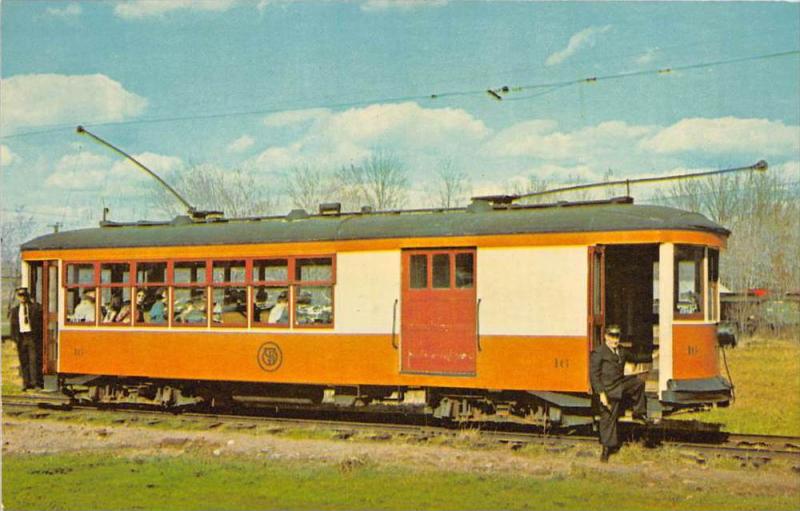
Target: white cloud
163, 166
7, 156
346, 137
89, 171
404, 5
647, 57
138, 9
282, 119
585, 38
726, 135
541, 139
68, 11
41, 99
241, 144
78, 171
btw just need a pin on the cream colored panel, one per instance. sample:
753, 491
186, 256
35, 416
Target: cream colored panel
367, 284
533, 291
666, 289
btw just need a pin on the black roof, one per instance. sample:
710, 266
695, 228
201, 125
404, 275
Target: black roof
472, 221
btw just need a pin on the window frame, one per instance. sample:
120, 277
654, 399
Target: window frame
212, 286
115, 285
165, 285
68, 287
451, 253
205, 286
297, 283
292, 285
700, 277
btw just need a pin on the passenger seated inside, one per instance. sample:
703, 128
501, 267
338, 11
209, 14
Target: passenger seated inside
279, 315
84, 312
193, 311
158, 311
117, 310
260, 306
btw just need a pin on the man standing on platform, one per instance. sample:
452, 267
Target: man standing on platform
26, 330
612, 387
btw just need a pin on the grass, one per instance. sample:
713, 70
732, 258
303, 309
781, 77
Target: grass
12, 380
198, 481
766, 374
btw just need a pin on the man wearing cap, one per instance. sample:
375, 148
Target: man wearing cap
26, 330
612, 387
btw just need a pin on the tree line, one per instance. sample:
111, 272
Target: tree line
761, 210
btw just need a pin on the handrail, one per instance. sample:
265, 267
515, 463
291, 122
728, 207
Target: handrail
478, 324
394, 322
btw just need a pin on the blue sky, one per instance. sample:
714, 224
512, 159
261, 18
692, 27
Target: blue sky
271, 85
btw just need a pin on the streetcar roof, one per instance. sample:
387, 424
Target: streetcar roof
471, 221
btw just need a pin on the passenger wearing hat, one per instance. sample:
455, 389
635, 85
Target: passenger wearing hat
85, 310
26, 330
613, 388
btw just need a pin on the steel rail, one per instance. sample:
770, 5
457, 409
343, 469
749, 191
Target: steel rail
758, 449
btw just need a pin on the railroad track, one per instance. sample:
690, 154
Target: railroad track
749, 449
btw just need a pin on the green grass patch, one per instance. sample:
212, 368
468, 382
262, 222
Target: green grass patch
766, 374
196, 481
12, 379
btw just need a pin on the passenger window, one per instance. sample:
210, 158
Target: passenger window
419, 271
80, 274
115, 305
81, 294
115, 273
313, 270
271, 306
270, 270
314, 305
229, 306
688, 280
190, 306
465, 271
228, 271
189, 272
151, 273
441, 271
151, 306
81, 306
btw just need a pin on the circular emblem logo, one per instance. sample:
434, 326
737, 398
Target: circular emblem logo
269, 356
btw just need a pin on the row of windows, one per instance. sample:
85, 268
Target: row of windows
234, 293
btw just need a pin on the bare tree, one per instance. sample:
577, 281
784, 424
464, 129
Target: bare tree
763, 213
308, 187
531, 185
453, 186
15, 228
236, 192
380, 181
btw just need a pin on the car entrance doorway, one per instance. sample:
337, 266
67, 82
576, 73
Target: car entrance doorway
439, 333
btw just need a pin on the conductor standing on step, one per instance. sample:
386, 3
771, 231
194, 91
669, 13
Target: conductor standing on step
613, 389
26, 330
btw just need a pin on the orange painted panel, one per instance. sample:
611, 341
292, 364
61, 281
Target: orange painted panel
506, 362
694, 351
329, 247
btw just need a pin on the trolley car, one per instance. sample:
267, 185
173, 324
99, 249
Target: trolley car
487, 312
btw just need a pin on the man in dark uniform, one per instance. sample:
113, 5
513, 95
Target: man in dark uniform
612, 387
26, 330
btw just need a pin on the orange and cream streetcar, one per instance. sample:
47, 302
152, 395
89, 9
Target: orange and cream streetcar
487, 312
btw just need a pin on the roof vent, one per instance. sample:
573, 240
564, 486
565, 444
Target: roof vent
297, 214
479, 206
330, 208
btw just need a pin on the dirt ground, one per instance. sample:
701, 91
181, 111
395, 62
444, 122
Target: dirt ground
25, 436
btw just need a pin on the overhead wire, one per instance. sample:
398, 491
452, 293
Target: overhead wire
552, 86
